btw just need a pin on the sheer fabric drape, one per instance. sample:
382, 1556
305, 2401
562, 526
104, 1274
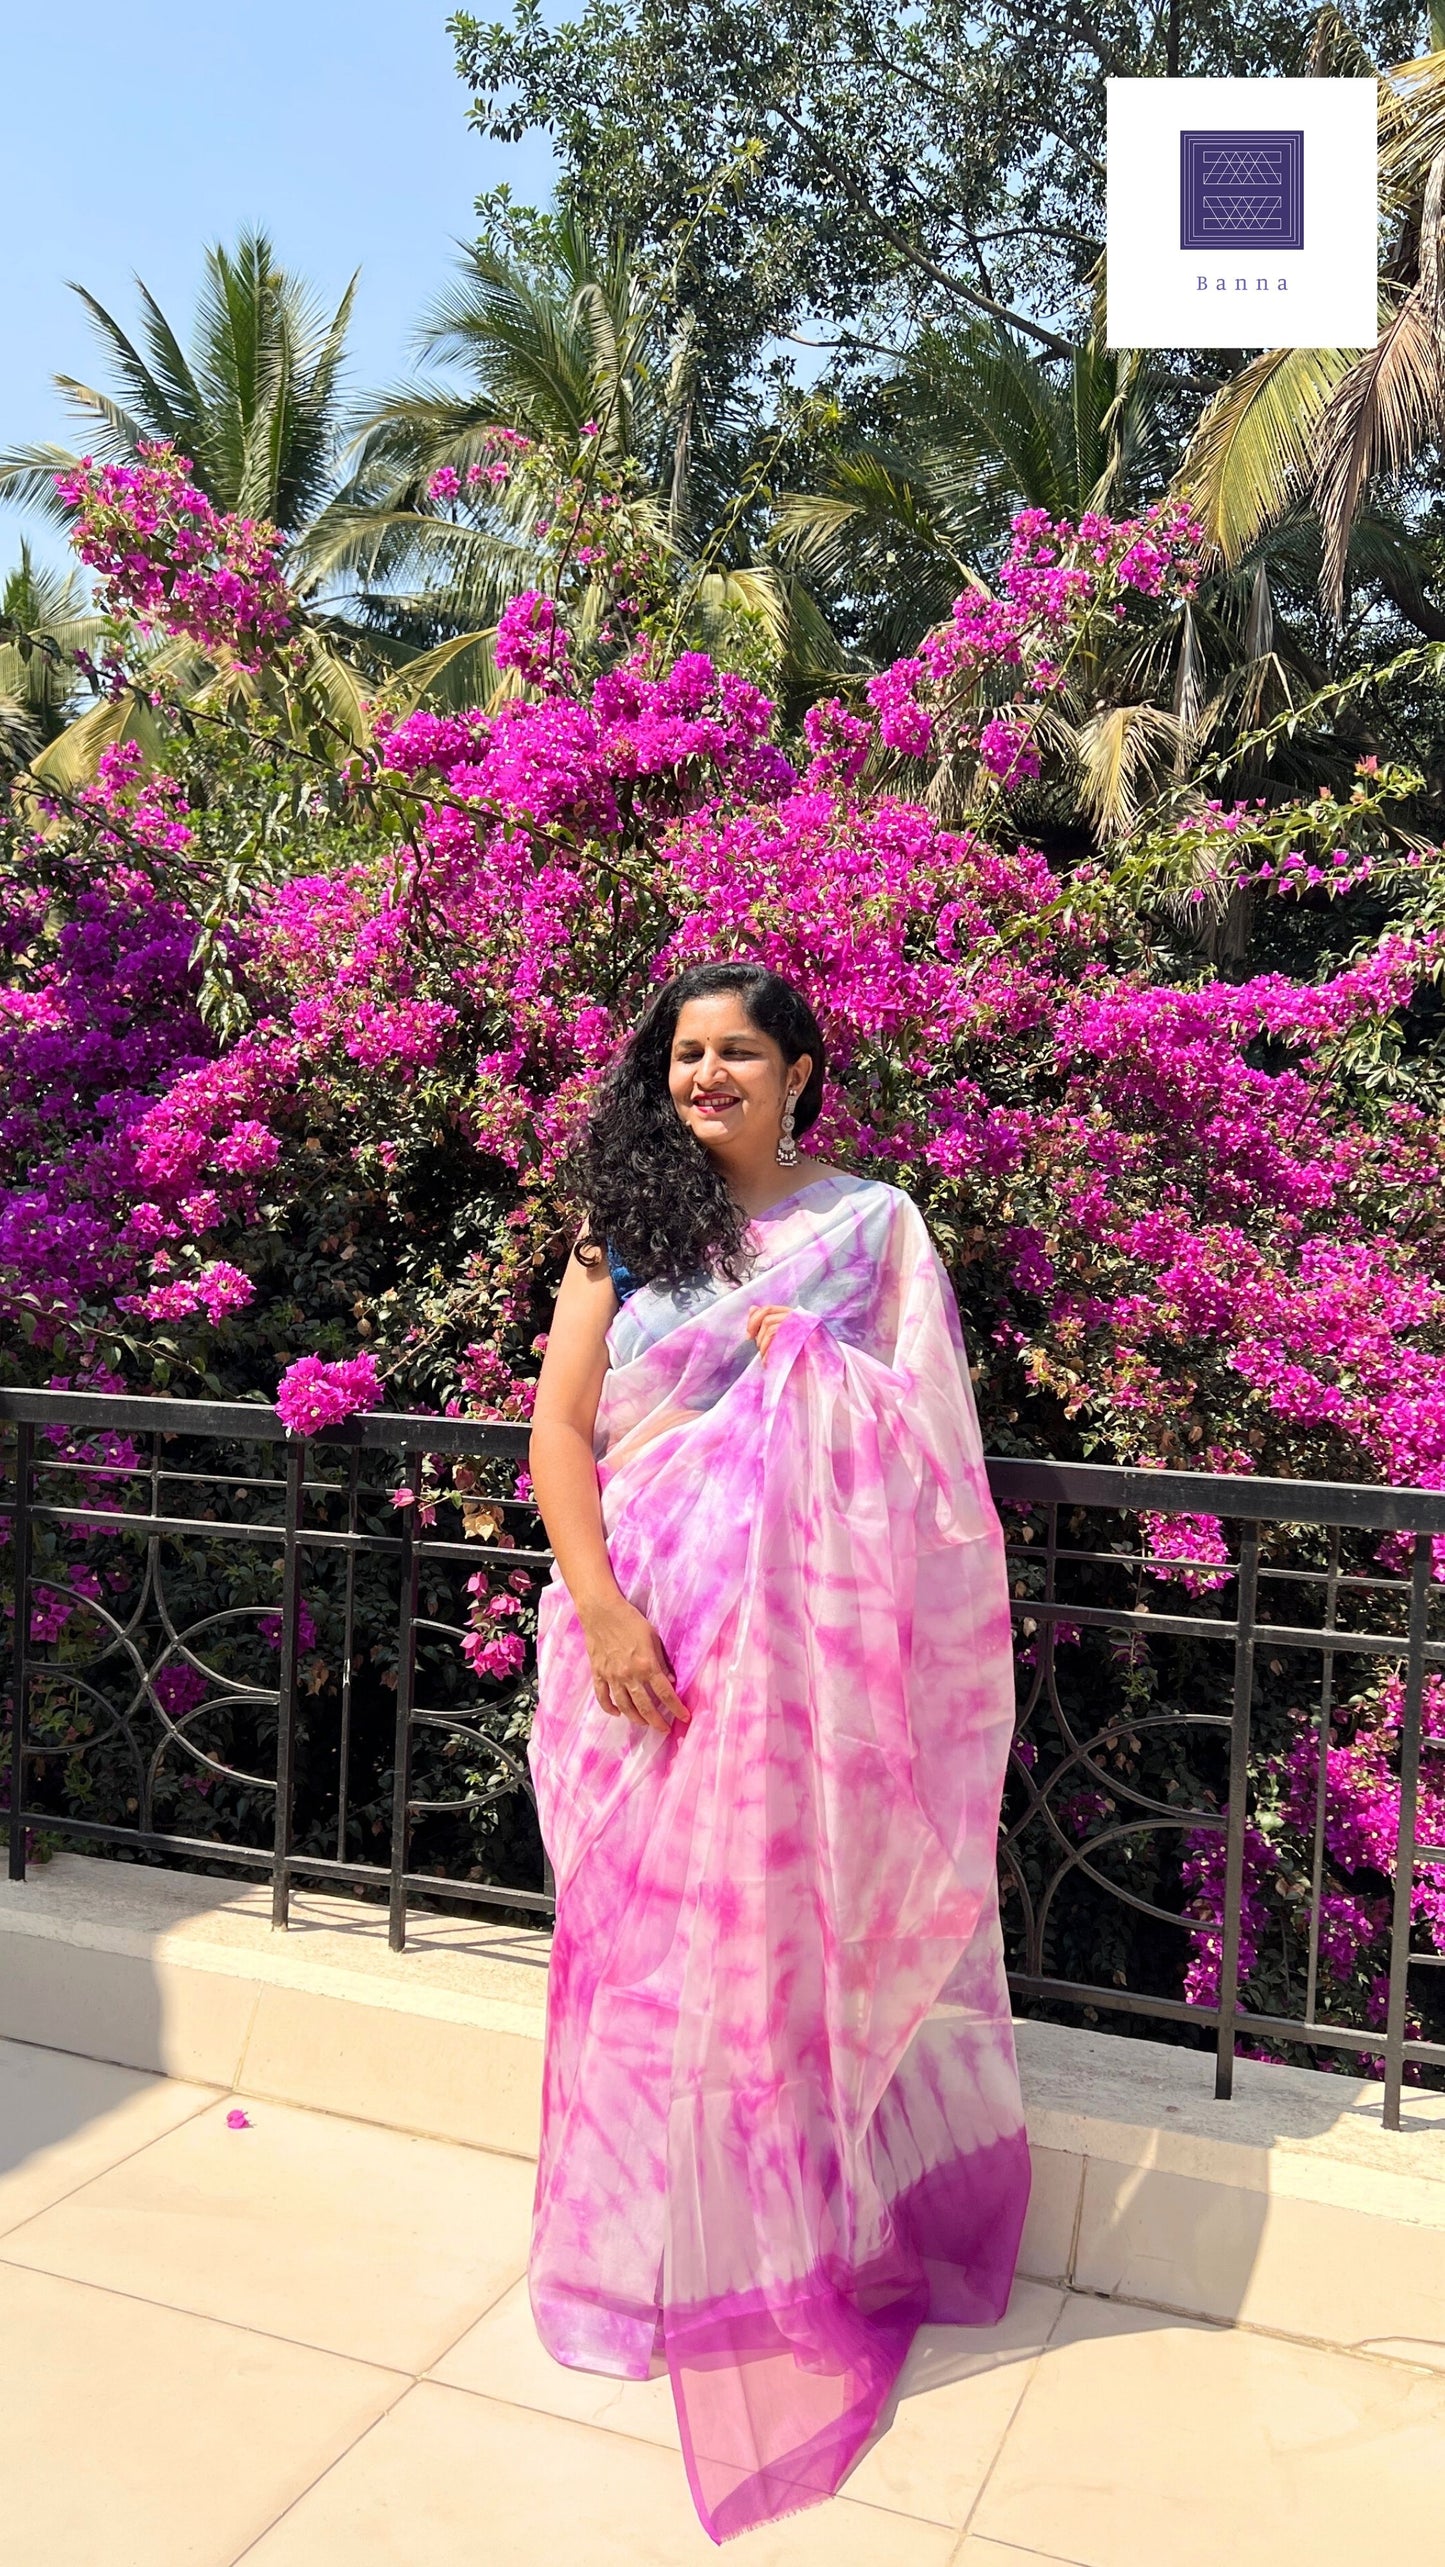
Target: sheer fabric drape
781, 2120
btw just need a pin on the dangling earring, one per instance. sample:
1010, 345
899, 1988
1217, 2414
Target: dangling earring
787, 1146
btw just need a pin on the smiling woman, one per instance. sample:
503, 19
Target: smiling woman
781, 2120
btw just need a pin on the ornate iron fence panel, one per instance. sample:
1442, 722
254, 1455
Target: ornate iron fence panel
232, 1648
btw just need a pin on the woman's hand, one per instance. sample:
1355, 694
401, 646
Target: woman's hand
764, 1320
630, 1673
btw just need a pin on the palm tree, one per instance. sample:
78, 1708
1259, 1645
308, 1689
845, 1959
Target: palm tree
566, 346
256, 404
43, 624
976, 426
1311, 431
890, 533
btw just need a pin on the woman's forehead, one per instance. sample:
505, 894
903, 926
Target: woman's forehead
702, 1020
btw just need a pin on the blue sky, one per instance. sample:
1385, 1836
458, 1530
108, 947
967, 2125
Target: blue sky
133, 139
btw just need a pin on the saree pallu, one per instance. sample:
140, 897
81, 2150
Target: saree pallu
781, 2118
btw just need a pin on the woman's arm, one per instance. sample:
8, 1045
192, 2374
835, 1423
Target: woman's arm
630, 1673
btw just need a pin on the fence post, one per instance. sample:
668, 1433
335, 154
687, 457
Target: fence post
1239, 1728
1421, 1567
19, 1698
286, 1686
405, 1688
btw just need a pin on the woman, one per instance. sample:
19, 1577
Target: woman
781, 2121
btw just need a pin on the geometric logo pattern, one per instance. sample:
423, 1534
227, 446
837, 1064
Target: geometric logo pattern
1241, 187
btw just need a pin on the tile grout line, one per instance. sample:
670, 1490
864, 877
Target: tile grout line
1015, 2411
207, 2317
357, 2439
1254, 2326
216, 2094
450, 2346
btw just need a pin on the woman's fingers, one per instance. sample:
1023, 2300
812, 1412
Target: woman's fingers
764, 1321
643, 1705
649, 1697
631, 1676
665, 1692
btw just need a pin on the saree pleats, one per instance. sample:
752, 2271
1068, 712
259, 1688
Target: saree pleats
781, 2122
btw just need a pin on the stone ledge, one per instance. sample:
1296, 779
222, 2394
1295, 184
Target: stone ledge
1288, 2208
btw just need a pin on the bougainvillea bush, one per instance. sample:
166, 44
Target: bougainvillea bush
294, 1055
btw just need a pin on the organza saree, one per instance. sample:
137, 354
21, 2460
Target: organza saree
781, 2119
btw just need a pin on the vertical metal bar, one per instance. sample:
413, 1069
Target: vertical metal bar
1410, 1724
1322, 1781
286, 1686
19, 1695
353, 1479
1238, 1798
405, 1688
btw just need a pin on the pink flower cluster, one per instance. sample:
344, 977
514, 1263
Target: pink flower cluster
1055, 575
1361, 1842
532, 642
313, 1394
167, 556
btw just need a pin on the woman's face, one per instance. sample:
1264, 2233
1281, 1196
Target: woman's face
728, 1079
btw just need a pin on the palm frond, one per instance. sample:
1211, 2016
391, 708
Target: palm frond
27, 479
164, 407
1123, 751
1253, 452
73, 758
1387, 406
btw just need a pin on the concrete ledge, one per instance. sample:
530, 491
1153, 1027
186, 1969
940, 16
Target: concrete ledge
1289, 2209
165, 1971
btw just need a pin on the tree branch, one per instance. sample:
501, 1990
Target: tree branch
926, 266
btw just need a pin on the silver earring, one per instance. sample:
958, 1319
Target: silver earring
787, 1146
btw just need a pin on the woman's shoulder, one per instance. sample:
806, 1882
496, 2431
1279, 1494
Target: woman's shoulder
895, 1198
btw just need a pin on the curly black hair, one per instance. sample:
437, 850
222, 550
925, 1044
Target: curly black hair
654, 1196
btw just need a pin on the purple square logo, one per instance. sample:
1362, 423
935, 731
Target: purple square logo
1241, 191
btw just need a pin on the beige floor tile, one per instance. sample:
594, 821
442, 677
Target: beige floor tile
63, 2120
1144, 2438
956, 2396
449, 2478
132, 2436
330, 2232
1001, 2553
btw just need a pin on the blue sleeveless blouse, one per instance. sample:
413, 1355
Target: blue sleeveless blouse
623, 1280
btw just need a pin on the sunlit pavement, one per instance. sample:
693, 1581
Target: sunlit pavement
305, 2342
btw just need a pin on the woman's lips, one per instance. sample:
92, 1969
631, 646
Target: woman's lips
714, 1104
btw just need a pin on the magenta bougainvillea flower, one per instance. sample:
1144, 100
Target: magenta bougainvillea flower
313, 1394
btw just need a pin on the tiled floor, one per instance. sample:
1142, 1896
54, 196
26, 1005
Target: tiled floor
307, 2344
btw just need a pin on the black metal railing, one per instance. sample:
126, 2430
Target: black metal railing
204, 1726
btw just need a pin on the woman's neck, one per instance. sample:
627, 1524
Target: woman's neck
757, 1189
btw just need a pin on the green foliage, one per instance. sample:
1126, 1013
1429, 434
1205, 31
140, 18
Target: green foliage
912, 166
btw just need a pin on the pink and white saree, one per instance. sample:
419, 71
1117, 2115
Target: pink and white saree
781, 2117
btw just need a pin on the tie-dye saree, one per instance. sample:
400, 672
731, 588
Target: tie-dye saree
781, 2119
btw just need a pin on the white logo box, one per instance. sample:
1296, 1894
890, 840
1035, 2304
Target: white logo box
1265, 162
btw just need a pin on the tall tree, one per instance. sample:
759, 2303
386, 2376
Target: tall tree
553, 334
44, 621
1339, 433
971, 425
914, 163
255, 402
